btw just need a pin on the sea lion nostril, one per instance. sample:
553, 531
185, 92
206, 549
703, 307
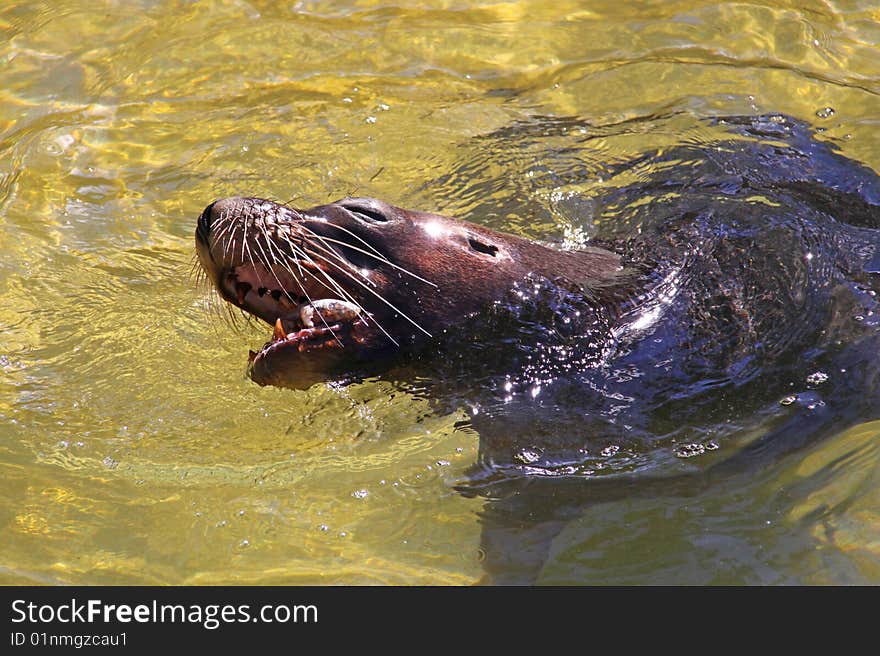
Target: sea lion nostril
203, 227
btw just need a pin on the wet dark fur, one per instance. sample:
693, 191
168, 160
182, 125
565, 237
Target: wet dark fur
759, 256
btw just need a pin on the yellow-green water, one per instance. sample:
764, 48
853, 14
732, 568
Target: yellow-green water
133, 449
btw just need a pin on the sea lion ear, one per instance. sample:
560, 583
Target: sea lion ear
482, 245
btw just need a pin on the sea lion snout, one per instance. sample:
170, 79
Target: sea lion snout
216, 211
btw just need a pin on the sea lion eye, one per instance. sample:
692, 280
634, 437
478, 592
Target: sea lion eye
365, 213
477, 245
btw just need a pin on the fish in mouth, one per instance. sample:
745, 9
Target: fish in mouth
357, 280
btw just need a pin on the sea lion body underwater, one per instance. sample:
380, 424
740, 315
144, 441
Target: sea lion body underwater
745, 293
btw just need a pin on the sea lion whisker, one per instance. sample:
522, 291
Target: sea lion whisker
348, 232
346, 295
246, 248
381, 259
296, 279
266, 263
233, 317
300, 252
299, 281
229, 244
244, 240
375, 253
366, 316
281, 286
220, 239
385, 301
348, 272
225, 225
196, 272
322, 251
337, 287
228, 228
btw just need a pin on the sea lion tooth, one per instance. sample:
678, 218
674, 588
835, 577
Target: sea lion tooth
279, 329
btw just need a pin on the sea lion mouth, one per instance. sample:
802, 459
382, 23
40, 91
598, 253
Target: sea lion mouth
321, 324
306, 318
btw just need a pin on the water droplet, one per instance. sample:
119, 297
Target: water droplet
690, 450
528, 456
825, 112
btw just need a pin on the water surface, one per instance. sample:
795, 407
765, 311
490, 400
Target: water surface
134, 450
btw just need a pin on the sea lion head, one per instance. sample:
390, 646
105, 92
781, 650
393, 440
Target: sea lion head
359, 280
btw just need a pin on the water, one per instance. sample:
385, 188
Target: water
132, 447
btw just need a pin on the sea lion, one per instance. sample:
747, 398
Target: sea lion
735, 294
358, 280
